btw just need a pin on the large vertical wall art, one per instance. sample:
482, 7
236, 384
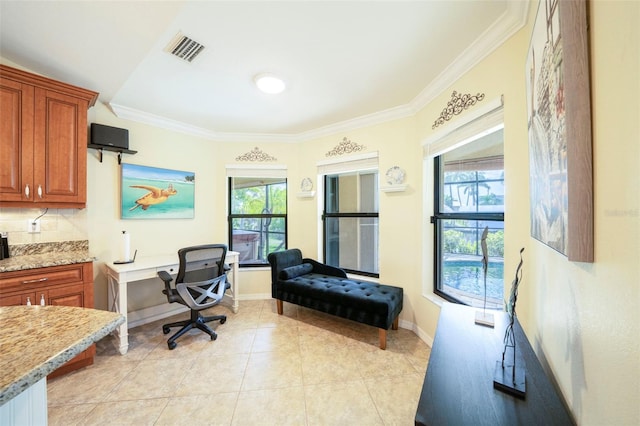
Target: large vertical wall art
560, 151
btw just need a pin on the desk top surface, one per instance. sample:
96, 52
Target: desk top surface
458, 386
157, 261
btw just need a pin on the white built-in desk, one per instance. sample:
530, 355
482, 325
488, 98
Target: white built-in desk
119, 276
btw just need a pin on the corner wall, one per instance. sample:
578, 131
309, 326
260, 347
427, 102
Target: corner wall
581, 318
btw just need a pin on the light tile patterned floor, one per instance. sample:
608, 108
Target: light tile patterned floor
302, 368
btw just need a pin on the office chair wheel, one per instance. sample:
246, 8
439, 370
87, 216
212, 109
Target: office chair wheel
166, 330
172, 345
223, 320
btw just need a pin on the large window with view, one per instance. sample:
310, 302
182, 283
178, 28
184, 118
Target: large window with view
469, 197
351, 221
258, 218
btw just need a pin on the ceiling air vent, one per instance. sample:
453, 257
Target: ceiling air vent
184, 48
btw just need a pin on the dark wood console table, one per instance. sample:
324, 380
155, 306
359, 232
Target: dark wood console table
458, 386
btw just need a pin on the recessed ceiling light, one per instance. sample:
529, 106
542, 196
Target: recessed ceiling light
269, 83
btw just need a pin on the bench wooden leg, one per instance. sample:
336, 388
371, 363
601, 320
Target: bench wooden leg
382, 333
279, 306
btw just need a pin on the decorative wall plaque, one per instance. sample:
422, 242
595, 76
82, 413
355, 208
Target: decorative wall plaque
345, 147
306, 185
456, 105
256, 155
395, 176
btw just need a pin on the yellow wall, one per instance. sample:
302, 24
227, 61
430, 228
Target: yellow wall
582, 319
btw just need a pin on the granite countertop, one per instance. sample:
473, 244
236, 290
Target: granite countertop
36, 340
42, 255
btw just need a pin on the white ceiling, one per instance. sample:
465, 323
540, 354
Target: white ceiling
346, 63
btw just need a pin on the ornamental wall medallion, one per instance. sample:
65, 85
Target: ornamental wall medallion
345, 147
256, 155
456, 105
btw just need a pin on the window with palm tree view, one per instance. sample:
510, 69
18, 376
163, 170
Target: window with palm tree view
469, 197
258, 218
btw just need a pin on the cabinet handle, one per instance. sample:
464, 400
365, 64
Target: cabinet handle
40, 191
26, 191
35, 281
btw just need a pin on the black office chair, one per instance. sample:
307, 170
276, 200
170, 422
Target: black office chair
200, 284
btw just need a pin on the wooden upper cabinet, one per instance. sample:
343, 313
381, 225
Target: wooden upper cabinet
16, 139
43, 141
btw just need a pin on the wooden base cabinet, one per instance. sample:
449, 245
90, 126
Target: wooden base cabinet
67, 285
43, 141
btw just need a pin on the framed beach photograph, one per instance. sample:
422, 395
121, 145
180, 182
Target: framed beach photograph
559, 125
155, 193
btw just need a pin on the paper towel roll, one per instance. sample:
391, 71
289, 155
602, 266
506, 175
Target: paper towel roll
125, 253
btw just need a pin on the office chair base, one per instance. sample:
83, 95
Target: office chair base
197, 321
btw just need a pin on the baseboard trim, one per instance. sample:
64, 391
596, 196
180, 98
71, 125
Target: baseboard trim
255, 296
153, 313
417, 330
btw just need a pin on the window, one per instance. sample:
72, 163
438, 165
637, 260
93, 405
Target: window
351, 221
469, 196
258, 218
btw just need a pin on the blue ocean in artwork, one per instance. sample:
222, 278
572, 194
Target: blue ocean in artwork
166, 194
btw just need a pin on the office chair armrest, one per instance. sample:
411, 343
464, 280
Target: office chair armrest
164, 276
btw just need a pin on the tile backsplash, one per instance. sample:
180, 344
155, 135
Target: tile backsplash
55, 225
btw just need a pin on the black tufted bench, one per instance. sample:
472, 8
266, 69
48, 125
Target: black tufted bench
308, 283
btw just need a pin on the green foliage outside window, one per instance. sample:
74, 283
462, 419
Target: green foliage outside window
495, 243
457, 242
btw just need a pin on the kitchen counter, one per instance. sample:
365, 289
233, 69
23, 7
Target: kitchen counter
42, 255
36, 340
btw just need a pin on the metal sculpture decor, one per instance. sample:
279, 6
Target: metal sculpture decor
483, 318
256, 155
510, 378
456, 105
345, 147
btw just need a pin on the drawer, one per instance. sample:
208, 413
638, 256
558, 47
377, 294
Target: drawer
34, 278
171, 269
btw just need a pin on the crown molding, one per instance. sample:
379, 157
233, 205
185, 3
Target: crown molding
177, 126
511, 21
357, 123
138, 116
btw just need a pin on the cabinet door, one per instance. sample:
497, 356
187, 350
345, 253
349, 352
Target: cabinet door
14, 299
66, 296
16, 140
60, 148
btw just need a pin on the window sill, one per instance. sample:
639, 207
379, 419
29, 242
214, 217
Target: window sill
306, 194
364, 278
254, 268
435, 299
394, 188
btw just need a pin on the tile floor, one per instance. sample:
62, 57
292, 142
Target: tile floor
302, 368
